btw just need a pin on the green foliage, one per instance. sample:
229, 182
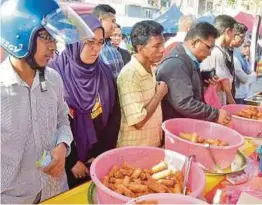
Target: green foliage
231, 2
164, 3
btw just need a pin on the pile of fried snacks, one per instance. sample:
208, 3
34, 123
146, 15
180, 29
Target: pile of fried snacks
134, 182
250, 113
193, 137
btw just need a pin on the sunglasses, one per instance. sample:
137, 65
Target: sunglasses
208, 46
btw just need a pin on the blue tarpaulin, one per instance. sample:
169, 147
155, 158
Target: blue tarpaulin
126, 30
170, 19
208, 17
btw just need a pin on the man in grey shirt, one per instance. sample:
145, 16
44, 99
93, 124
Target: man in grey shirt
180, 71
220, 59
34, 115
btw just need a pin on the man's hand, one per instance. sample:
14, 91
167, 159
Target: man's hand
224, 117
212, 81
80, 170
161, 89
57, 166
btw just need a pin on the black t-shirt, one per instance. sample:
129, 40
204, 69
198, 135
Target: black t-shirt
125, 55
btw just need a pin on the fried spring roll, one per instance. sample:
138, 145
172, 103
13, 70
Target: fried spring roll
149, 171
119, 191
155, 187
126, 172
137, 181
148, 202
167, 182
143, 176
118, 175
126, 180
112, 180
112, 186
165, 188
149, 177
162, 174
177, 189
137, 188
105, 181
119, 181
113, 170
128, 166
136, 173
125, 190
159, 167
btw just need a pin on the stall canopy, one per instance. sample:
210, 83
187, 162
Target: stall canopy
170, 19
126, 30
208, 17
248, 20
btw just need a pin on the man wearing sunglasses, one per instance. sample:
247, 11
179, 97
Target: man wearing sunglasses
181, 72
220, 59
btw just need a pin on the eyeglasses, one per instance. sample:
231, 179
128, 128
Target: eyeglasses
47, 38
93, 43
240, 35
208, 46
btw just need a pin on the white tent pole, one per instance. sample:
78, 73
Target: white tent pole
257, 21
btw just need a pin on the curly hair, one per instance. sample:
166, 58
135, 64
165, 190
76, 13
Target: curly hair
143, 31
240, 28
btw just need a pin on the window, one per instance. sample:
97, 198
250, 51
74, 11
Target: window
148, 14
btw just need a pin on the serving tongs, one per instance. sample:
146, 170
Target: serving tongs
187, 170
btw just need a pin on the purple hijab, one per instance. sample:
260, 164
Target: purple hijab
83, 83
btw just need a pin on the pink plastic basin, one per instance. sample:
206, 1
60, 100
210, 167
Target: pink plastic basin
141, 157
224, 156
168, 199
246, 127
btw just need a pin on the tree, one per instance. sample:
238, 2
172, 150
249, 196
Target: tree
164, 3
231, 2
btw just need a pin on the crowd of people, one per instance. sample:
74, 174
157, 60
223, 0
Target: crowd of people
94, 96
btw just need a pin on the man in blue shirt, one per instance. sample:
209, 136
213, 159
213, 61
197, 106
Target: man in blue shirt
109, 54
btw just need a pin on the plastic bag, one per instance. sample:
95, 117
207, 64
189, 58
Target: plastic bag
230, 194
211, 97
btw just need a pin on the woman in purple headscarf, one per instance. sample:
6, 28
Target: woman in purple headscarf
91, 95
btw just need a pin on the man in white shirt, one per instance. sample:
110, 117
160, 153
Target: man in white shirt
34, 115
220, 60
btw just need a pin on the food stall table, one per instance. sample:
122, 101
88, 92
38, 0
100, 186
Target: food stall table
79, 195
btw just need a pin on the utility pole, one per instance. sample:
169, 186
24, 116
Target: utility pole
206, 6
180, 4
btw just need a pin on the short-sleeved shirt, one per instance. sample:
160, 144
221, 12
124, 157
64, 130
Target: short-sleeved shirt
136, 88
